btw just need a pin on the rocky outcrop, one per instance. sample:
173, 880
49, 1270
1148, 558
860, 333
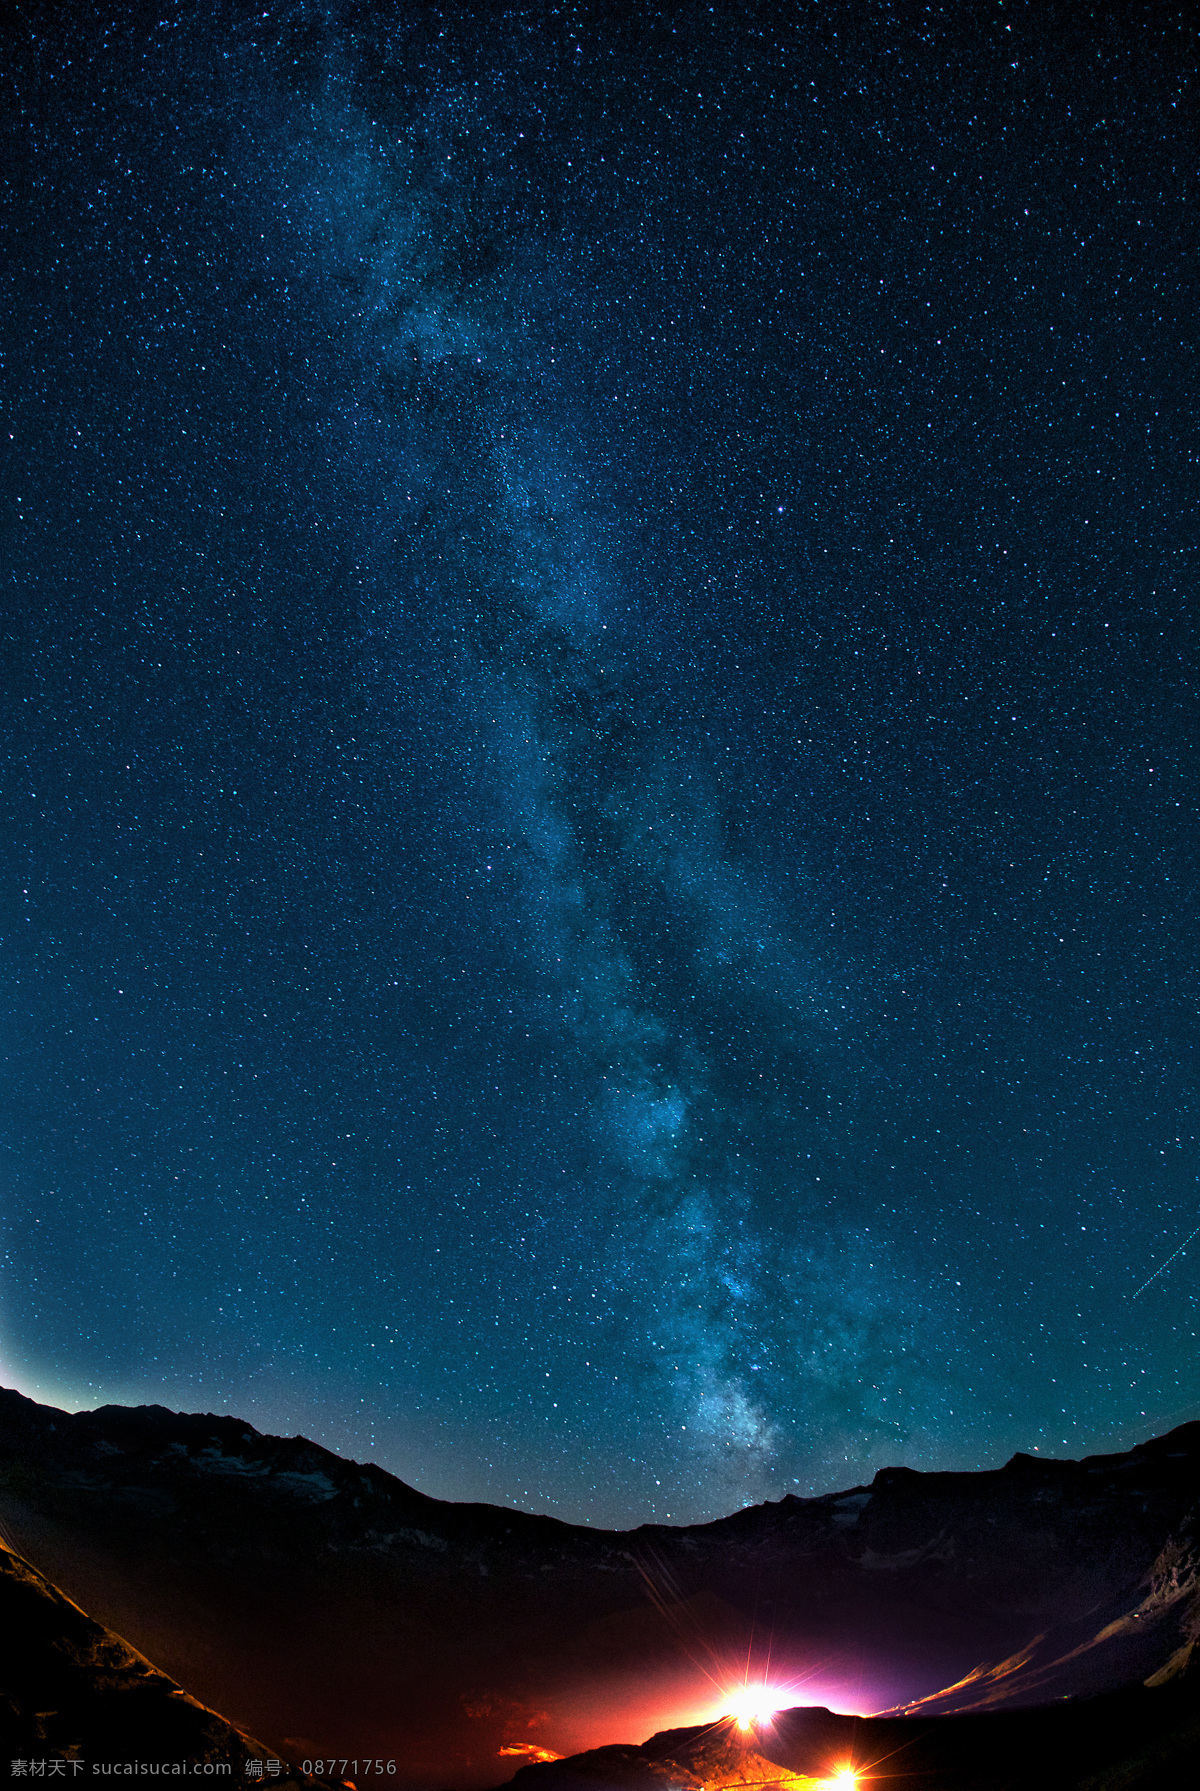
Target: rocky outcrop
71, 1690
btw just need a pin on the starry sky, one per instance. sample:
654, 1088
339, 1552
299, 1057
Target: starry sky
599, 792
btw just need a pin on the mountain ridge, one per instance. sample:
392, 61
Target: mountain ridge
453, 1629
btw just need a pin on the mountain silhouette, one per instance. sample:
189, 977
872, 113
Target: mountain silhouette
339, 1613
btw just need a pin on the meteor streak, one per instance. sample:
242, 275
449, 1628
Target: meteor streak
1166, 1265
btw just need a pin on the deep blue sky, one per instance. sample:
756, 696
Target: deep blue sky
599, 794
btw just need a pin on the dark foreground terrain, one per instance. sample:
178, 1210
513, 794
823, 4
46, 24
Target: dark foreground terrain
333, 1611
1137, 1740
74, 1692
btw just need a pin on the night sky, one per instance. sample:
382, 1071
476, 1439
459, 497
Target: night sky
599, 791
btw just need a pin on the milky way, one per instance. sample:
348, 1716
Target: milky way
600, 793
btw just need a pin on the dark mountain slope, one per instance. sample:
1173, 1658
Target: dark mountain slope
71, 1689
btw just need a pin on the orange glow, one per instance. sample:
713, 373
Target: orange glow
753, 1704
844, 1779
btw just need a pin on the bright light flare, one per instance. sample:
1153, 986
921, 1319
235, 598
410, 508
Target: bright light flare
844, 1779
752, 1705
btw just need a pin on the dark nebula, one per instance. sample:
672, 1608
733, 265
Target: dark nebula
600, 777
